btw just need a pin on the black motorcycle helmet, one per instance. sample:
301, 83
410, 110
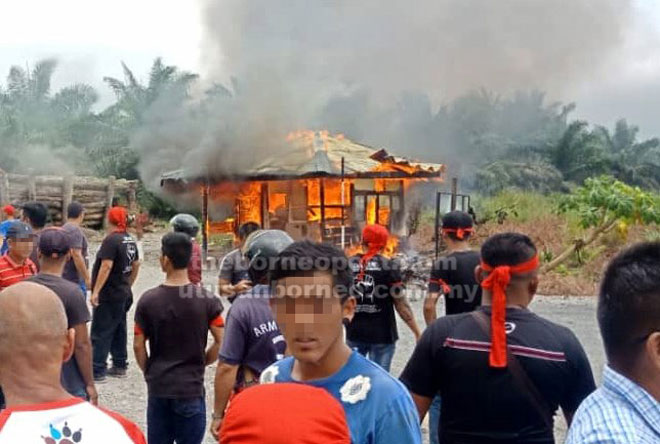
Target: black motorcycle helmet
185, 223
260, 247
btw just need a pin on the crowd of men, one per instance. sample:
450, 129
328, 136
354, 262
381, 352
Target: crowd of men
304, 349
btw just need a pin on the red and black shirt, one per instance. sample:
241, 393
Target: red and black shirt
481, 404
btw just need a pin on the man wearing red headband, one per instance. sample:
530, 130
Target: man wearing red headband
502, 371
114, 272
379, 291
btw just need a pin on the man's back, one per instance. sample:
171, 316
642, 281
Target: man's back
77, 313
457, 271
252, 338
71, 421
175, 321
120, 248
481, 404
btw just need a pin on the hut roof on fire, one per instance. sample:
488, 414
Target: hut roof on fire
318, 154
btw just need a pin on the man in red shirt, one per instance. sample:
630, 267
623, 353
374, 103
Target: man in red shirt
16, 265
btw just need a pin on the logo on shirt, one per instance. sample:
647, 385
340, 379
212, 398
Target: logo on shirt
509, 327
365, 287
269, 375
355, 389
64, 436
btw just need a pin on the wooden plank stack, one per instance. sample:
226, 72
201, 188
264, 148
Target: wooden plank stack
95, 194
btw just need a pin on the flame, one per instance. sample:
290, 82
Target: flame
391, 248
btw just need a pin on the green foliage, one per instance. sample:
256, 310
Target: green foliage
156, 206
604, 200
514, 205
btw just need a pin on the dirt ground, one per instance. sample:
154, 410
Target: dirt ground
129, 396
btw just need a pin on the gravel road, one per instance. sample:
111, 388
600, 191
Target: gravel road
129, 396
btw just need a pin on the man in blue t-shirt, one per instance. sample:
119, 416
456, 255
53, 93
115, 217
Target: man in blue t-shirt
311, 297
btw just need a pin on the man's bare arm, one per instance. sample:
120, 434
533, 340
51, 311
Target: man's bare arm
79, 262
405, 311
214, 349
135, 268
423, 404
430, 307
225, 379
101, 279
83, 355
140, 350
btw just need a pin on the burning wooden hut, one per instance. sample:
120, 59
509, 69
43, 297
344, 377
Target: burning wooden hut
321, 187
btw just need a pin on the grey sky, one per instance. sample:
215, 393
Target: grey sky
91, 38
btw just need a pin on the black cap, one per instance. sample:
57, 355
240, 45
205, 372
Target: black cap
54, 242
19, 230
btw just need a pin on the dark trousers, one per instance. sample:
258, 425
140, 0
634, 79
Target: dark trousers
109, 335
176, 420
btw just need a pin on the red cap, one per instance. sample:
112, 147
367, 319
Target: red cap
9, 210
284, 413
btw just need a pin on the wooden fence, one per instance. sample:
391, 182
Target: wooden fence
57, 192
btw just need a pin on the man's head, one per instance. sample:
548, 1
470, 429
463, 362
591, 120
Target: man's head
457, 226
176, 251
629, 311
34, 339
304, 414
35, 214
9, 211
260, 249
311, 297
20, 238
245, 230
374, 237
511, 249
117, 218
54, 248
75, 212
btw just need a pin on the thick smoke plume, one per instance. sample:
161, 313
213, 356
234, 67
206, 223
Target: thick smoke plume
352, 66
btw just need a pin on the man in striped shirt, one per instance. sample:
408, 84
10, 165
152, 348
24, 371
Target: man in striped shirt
16, 264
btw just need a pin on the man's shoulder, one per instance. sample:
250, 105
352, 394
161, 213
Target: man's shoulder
55, 283
604, 417
278, 371
380, 380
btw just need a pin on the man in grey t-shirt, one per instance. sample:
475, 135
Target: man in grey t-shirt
76, 269
252, 339
233, 278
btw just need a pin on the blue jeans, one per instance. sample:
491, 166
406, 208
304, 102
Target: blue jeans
434, 420
381, 354
180, 420
109, 336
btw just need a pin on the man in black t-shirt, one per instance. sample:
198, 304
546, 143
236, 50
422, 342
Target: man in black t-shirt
54, 252
115, 270
175, 319
502, 371
379, 291
453, 275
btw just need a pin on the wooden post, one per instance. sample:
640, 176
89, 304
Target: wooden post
132, 196
265, 215
4, 188
436, 230
205, 221
32, 185
110, 196
454, 193
67, 196
322, 202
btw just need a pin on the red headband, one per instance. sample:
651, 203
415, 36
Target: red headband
375, 236
460, 232
117, 216
497, 282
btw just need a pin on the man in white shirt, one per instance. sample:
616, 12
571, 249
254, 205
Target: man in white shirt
34, 342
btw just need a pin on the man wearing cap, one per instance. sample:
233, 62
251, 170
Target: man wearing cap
253, 340
16, 264
501, 370
379, 292
114, 272
8, 211
54, 252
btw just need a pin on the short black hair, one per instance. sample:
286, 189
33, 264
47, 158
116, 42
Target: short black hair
507, 249
247, 229
37, 214
629, 301
305, 258
74, 210
177, 247
457, 219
